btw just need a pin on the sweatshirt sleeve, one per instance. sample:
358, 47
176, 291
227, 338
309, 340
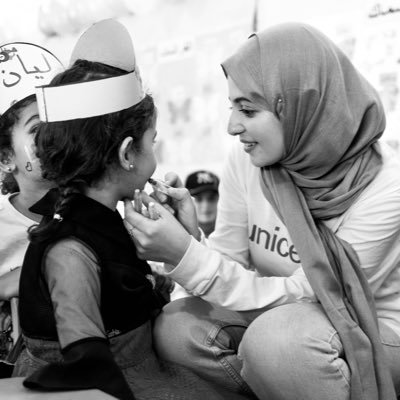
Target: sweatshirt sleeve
205, 272
72, 274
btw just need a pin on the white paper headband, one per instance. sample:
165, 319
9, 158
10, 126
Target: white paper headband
23, 67
89, 99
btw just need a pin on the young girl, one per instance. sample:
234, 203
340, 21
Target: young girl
23, 66
310, 206
86, 301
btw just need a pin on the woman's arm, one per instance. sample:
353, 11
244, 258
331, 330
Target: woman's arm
205, 272
222, 275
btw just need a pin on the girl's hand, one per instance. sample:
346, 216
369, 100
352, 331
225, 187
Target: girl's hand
162, 239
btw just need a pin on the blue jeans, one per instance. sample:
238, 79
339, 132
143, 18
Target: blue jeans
288, 352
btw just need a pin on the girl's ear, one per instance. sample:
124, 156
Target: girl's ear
7, 163
126, 154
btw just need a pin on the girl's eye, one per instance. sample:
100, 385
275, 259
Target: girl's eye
34, 129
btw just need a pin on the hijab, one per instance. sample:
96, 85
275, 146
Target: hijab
332, 118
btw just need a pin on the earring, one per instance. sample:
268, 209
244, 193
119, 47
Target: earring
9, 169
131, 166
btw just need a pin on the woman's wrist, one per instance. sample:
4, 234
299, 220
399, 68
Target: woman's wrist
180, 250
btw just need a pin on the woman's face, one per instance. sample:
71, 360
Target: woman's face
259, 130
27, 165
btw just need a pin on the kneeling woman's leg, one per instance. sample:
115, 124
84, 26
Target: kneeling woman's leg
293, 352
391, 347
204, 338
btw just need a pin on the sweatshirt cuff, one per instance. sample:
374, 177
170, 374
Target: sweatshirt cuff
191, 272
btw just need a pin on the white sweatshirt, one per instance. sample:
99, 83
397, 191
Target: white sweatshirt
13, 244
13, 235
251, 263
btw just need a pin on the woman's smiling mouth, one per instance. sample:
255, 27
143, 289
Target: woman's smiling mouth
248, 146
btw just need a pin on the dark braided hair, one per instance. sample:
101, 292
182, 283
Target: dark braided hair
77, 153
7, 122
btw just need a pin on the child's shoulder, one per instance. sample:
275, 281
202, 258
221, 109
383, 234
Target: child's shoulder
4, 200
6, 208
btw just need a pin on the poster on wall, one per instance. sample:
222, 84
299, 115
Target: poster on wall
378, 55
190, 90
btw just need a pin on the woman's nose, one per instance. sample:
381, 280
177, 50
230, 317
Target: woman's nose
235, 127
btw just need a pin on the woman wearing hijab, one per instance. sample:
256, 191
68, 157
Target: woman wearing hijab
296, 291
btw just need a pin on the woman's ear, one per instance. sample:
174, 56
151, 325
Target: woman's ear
126, 154
7, 164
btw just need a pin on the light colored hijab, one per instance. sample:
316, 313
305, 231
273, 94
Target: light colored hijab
331, 118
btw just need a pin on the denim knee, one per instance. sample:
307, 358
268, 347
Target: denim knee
293, 352
193, 326
172, 332
204, 338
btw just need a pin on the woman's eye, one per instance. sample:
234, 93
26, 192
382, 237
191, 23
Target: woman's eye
247, 113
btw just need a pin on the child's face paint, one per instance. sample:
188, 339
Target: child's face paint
23, 136
33, 161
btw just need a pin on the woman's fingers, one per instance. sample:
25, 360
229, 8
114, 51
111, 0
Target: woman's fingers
158, 237
173, 179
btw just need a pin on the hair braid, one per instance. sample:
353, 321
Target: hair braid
48, 228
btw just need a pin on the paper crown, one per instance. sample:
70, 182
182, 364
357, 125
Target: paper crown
107, 42
24, 66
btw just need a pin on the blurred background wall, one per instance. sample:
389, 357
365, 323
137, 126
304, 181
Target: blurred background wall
181, 43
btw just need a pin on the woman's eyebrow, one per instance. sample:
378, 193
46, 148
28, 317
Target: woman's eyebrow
240, 99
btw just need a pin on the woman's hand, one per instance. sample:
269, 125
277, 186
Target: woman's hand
179, 199
9, 284
162, 239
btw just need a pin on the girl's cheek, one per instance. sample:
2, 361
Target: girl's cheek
33, 161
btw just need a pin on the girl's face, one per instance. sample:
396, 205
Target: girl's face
146, 163
259, 130
26, 163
